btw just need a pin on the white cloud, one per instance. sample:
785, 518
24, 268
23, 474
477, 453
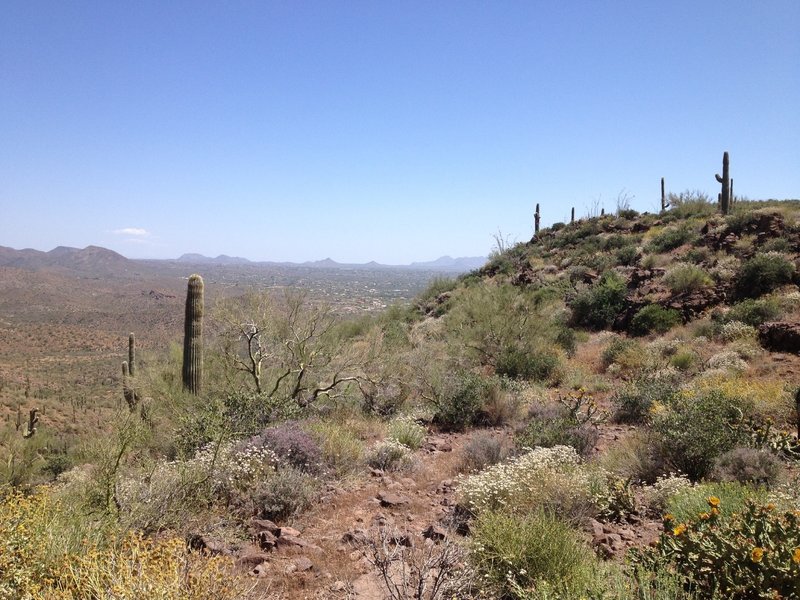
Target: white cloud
138, 231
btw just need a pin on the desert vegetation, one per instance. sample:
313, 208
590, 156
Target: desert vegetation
608, 411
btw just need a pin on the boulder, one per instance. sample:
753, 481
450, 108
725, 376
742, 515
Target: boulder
779, 336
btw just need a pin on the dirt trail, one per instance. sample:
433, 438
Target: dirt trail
331, 565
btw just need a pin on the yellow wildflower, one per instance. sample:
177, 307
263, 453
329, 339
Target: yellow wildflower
679, 529
713, 501
715, 511
704, 516
757, 554
796, 556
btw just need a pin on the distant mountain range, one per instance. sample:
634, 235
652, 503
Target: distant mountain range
444, 263
94, 260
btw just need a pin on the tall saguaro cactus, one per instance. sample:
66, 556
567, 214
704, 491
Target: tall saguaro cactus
193, 336
664, 203
572, 216
131, 354
725, 180
536, 218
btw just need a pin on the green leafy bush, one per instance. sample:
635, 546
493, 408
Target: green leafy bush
762, 274
532, 365
635, 402
459, 399
753, 312
695, 429
672, 237
752, 556
617, 349
627, 256
687, 278
598, 306
654, 318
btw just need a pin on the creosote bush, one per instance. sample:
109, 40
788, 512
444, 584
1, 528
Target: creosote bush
598, 306
694, 429
672, 237
654, 318
762, 274
459, 400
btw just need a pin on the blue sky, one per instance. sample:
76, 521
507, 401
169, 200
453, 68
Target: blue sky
393, 131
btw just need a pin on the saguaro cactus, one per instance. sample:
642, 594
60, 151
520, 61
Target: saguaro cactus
572, 217
128, 391
664, 203
725, 180
33, 419
536, 218
131, 354
193, 336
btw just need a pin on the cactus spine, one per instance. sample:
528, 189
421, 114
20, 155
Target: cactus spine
193, 336
724, 196
536, 218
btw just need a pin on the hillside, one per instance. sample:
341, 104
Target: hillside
609, 410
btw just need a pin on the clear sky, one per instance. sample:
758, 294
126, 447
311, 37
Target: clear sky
387, 130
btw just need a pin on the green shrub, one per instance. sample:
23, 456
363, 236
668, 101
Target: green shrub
518, 363
752, 556
672, 237
762, 274
626, 256
516, 553
754, 312
405, 430
687, 278
598, 306
390, 455
635, 402
552, 425
694, 430
654, 318
287, 492
617, 348
683, 360
342, 451
459, 399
